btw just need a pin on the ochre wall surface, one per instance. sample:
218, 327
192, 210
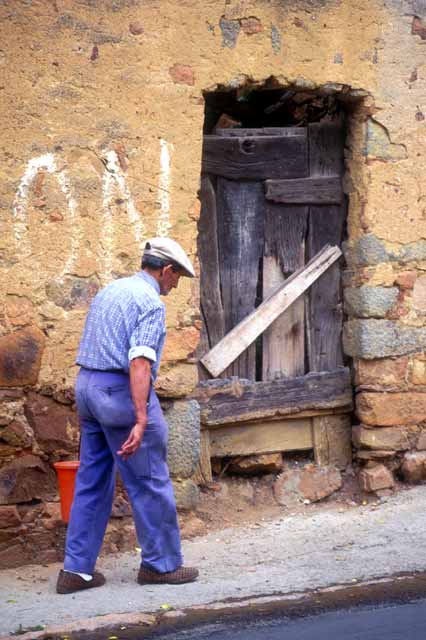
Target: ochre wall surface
102, 115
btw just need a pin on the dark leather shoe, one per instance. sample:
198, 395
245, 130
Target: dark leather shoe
71, 582
179, 576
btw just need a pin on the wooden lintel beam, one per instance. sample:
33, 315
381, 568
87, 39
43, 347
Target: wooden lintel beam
344, 410
242, 400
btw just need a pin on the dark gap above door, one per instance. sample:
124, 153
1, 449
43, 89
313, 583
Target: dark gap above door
251, 106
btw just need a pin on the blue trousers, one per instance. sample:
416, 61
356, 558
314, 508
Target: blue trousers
107, 415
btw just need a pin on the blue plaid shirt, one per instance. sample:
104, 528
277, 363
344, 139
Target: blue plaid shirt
126, 320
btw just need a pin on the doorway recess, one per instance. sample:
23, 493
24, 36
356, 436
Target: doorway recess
271, 198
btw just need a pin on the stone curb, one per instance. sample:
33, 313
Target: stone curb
340, 595
97, 623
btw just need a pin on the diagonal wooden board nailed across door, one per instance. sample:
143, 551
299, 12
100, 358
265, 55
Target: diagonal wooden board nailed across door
246, 331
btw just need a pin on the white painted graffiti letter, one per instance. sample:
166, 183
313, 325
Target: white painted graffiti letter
163, 224
113, 181
113, 184
46, 162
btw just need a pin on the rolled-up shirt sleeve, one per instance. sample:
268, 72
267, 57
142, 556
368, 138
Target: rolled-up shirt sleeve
146, 337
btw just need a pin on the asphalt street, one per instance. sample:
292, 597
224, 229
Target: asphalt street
396, 622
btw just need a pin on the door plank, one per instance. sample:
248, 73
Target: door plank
210, 295
268, 437
326, 224
326, 145
256, 157
326, 190
283, 352
241, 401
246, 332
240, 222
325, 308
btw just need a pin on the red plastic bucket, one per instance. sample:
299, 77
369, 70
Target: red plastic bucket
66, 472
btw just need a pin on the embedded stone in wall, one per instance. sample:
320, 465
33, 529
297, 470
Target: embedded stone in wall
275, 39
183, 418
25, 479
136, 28
370, 250
178, 382
379, 144
9, 517
375, 478
19, 311
7, 453
10, 395
370, 339
51, 511
258, 464
72, 292
370, 302
421, 441
182, 74
419, 295
230, 30
389, 372
9, 536
187, 494
17, 433
418, 28
295, 485
10, 409
389, 409
51, 516
418, 373
406, 279
414, 467
413, 252
55, 425
20, 357
388, 438
251, 25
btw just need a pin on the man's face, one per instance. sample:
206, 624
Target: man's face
169, 280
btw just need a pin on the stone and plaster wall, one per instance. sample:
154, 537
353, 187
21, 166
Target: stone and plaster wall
102, 116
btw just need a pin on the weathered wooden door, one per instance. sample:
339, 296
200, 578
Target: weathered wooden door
271, 199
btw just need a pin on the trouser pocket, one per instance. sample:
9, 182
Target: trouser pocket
113, 405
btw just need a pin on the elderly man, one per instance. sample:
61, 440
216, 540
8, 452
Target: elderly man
122, 424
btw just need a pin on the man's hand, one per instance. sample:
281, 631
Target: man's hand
133, 442
140, 382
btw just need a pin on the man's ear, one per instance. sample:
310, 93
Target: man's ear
165, 269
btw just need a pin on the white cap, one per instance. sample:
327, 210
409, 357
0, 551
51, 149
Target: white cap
168, 249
